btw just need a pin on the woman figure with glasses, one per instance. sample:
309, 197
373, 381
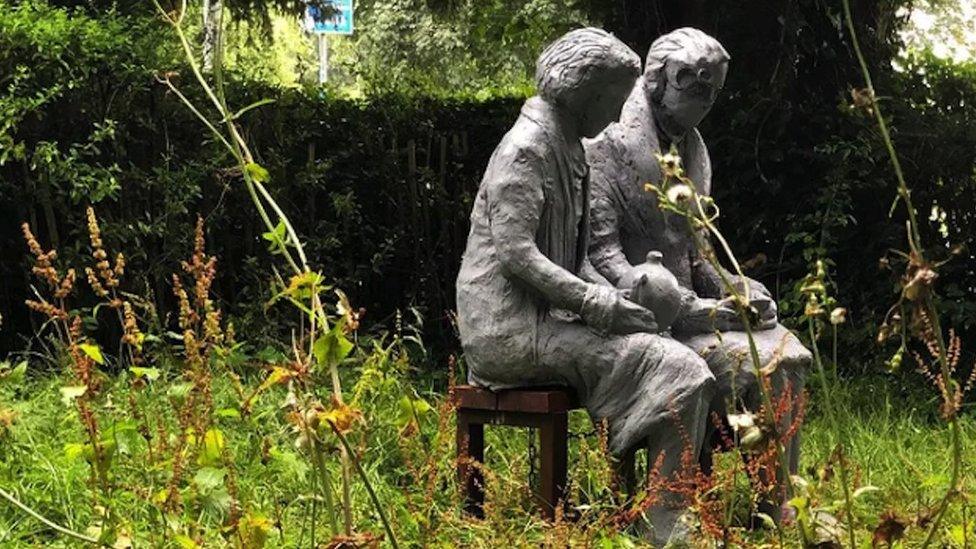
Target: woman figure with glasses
684, 73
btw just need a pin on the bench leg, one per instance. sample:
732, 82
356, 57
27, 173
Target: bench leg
553, 444
471, 448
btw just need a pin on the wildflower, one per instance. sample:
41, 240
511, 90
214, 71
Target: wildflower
670, 164
838, 316
863, 99
750, 435
680, 194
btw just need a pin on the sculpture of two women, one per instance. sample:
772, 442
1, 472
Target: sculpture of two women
538, 297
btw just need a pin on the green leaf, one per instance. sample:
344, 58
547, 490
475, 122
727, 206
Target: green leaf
208, 479
213, 447
179, 391
865, 490
229, 412
253, 530
185, 542
332, 347
94, 352
75, 451
276, 238
256, 104
257, 172
68, 394
409, 408
152, 374
14, 375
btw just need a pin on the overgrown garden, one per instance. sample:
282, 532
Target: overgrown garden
226, 296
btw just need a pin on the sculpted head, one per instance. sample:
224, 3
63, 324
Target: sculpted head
685, 70
589, 73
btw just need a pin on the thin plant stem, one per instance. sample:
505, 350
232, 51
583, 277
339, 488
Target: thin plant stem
367, 484
47, 522
237, 146
744, 318
928, 304
834, 420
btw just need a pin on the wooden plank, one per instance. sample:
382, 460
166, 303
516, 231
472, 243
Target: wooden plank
539, 401
535, 400
475, 398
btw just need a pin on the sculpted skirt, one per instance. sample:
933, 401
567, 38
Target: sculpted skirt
652, 390
729, 359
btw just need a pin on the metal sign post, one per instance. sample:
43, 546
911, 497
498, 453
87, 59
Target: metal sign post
335, 17
323, 57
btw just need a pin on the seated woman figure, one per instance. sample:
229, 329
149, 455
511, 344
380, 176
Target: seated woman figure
684, 72
531, 309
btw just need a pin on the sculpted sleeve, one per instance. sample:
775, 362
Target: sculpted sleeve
606, 253
515, 204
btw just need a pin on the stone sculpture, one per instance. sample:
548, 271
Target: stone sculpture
653, 286
684, 72
531, 309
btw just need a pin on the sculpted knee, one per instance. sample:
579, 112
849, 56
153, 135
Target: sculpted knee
693, 367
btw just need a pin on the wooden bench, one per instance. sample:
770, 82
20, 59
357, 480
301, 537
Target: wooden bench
545, 409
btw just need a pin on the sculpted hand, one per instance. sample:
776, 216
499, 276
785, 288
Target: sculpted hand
763, 302
609, 310
706, 315
721, 317
766, 307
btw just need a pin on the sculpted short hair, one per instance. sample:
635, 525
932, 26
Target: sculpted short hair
581, 57
696, 42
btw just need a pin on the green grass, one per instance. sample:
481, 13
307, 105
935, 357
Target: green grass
896, 445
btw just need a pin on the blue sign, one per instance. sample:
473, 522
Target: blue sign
334, 18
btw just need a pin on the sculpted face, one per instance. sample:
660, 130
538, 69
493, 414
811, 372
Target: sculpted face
602, 105
690, 87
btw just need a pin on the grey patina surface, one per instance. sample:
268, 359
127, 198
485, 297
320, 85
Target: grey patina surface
685, 71
531, 309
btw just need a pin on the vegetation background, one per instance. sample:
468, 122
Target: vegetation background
378, 168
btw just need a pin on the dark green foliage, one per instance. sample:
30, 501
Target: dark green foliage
382, 187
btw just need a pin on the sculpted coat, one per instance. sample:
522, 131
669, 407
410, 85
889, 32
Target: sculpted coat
626, 222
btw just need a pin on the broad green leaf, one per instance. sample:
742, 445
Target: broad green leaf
410, 408
213, 447
152, 374
93, 351
257, 172
332, 347
229, 412
209, 478
68, 394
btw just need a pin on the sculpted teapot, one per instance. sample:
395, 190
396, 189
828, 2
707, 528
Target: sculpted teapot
653, 286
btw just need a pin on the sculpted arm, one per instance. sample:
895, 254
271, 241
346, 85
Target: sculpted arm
606, 254
516, 200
